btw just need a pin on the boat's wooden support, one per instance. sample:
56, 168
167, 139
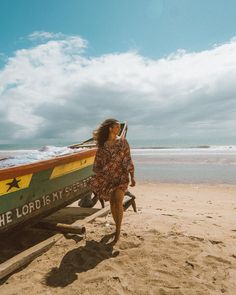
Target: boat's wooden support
129, 200
27, 256
30, 254
61, 227
100, 213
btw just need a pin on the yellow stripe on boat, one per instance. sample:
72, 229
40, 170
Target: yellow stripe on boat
71, 167
11, 185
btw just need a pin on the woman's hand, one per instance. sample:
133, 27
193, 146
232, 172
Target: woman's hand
132, 182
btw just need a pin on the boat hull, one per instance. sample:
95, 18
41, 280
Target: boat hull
30, 192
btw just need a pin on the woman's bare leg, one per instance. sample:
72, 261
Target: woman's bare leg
116, 202
113, 208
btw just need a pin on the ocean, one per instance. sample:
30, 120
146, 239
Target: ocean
211, 164
214, 164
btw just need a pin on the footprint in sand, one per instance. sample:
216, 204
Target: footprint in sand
130, 244
140, 238
169, 273
189, 264
212, 259
217, 225
234, 256
139, 210
194, 238
215, 242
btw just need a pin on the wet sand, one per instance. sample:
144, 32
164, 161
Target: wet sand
181, 241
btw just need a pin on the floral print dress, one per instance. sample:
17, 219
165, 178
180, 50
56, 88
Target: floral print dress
112, 166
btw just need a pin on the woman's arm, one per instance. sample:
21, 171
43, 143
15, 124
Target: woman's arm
128, 163
133, 182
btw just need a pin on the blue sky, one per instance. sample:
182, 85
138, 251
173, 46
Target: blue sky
171, 41
154, 27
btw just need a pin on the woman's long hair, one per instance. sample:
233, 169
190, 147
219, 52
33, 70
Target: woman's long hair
101, 134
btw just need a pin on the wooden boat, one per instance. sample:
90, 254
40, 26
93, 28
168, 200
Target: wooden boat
33, 191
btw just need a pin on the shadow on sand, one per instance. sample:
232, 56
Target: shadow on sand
80, 260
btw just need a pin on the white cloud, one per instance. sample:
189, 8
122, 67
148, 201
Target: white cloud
44, 36
72, 42
53, 92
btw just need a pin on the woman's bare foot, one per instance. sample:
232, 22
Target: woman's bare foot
117, 236
112, 239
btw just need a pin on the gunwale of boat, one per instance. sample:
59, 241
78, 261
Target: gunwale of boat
15, 171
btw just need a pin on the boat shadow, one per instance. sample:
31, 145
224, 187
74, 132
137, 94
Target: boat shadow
80, 260
22, 239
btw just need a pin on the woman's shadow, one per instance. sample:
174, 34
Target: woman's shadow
80, 260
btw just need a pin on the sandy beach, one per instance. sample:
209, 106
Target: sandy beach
181, 241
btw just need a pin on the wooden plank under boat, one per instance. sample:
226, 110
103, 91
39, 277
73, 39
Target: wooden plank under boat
33, 191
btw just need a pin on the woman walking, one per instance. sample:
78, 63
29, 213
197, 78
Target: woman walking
113, 168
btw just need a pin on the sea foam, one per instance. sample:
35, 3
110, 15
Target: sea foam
21, 157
